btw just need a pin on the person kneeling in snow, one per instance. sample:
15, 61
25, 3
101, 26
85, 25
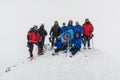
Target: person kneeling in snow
57, 45
33, 37
76, 42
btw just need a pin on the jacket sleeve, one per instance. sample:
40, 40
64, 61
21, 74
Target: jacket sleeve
59, 31
83, 29
51, 30
28, 36
45, 33
55, 44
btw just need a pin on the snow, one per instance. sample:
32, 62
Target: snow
101, 63
93, 67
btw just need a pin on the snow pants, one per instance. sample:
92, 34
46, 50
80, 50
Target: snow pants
53, 40
57, 50
31, 45
74, 50
86, 40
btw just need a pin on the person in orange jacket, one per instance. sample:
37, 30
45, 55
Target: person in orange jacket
87, 29
33, 37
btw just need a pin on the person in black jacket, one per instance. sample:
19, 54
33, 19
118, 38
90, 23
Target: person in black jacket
43, 33
54, 32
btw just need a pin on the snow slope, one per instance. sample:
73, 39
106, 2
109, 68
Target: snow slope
86, 65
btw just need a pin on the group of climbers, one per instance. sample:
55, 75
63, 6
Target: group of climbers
36, 36
73, 36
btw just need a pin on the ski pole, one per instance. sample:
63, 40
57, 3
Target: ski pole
92, 43
67, 48
35, 50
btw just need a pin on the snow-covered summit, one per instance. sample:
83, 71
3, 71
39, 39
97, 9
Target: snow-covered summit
86, 65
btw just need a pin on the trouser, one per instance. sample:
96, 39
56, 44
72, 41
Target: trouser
42, 43
64, 46
31, 45
86, 40
57, 50
53, 40
74, 50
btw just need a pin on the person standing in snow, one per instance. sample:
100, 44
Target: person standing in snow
77, 28
70, 25
63, 28
43, 34
87, 33
33, 37
76, 44
54, 32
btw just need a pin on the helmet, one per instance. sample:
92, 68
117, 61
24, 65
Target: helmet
64, 23
42, 25
86, 20
77, 23
56, 23
70, 21
35, 27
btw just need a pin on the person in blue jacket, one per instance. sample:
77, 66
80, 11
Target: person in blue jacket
76, 44
77, 28
63, 28
57, 45
70, 25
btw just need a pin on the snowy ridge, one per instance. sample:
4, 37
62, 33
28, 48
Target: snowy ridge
86, 65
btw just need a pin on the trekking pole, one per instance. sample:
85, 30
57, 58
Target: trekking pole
35, 50
67, 49
92, 43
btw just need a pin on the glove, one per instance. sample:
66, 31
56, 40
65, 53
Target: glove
41, 37
92, 35
28, 46
38, 44
73, 45
82, 35
65, 43
50, 39
31, 41
55, 47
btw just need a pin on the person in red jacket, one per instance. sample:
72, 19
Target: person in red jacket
33, 37
87, 32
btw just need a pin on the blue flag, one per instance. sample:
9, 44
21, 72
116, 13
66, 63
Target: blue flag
67, 35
